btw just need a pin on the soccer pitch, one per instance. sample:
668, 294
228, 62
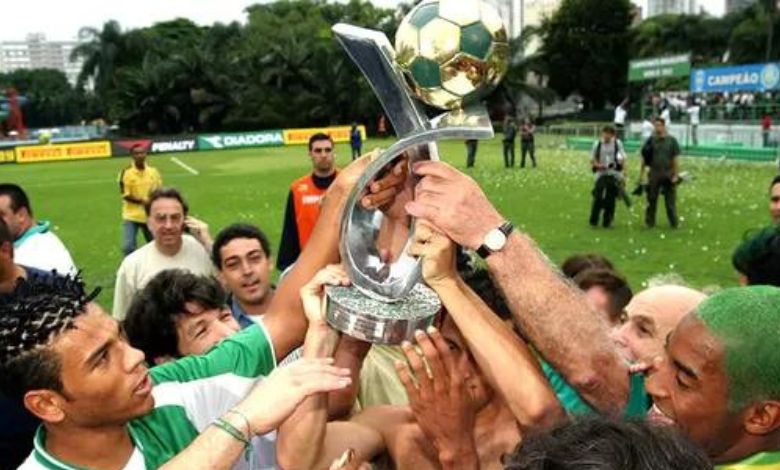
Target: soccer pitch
552, 203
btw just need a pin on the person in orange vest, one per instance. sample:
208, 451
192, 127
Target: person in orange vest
303, 201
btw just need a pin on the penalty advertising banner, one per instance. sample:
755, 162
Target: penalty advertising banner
240, 140
339, 134
63, 152
752, 77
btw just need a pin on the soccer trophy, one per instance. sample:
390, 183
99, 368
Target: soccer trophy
448, 55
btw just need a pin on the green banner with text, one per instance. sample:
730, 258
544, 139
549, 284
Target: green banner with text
240, 140
659, 67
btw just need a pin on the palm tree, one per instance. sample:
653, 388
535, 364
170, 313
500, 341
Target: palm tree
100, 51
522, 65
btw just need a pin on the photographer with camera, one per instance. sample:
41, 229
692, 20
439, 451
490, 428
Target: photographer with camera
608, 166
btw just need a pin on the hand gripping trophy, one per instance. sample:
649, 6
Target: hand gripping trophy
448, 55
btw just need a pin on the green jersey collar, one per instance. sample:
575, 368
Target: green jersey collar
760, 461
40, 227
52, 463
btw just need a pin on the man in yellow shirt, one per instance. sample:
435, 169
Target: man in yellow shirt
136, 183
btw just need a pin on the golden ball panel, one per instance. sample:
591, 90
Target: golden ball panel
407, 44
464, 74
439, 40
460, 12
493, 22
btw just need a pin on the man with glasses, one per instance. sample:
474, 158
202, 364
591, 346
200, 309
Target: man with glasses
303, 201
136, 183
171, 249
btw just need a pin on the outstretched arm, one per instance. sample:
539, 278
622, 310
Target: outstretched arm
530, 398
306, 440
285, 320
552, 312
264, 409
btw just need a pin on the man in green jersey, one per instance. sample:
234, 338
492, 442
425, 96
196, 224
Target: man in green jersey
68, 362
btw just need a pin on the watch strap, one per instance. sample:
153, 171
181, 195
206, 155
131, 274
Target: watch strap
506, 228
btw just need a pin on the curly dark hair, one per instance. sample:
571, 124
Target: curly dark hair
31, 317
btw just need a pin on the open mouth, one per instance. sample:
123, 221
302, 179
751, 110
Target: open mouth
656, 416
144, 387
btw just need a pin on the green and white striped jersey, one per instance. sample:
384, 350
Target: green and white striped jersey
188, 395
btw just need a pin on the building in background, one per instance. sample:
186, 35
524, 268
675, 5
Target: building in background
534, 11
511, 12
733, 5
35, 52
673, 7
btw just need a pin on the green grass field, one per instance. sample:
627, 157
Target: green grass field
552, 203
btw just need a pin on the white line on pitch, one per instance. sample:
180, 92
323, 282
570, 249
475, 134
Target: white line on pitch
184, 165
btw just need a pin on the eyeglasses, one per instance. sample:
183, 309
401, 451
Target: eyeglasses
323, 150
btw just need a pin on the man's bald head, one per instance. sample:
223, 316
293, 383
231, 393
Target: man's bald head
650, 316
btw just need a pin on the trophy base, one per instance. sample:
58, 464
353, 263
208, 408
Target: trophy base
355, 314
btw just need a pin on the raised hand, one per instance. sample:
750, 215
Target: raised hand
437, 253
454, 203
438, 397
313, 293
275, 398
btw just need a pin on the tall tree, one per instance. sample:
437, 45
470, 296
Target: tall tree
585, 46
51, 100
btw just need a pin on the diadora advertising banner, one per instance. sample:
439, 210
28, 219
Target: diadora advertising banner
156, 145
60, 152
337, 133
240, 140
753, 77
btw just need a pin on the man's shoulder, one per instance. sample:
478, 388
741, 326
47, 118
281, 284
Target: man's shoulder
136, 257
302, 183
44, 240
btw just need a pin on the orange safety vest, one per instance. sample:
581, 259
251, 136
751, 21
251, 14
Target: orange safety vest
306, 200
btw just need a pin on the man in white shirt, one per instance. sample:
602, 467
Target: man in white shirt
694, 114
170, 249
621, 114
35, 245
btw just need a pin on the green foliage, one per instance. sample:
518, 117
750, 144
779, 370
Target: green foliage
51, 99
282, 69
585, 47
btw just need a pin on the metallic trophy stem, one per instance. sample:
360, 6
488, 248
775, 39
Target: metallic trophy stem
387, 301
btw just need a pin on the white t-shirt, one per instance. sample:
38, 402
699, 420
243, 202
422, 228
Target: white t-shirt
647, 130
695, 112
140, 266
620, 115
666, 115
40, 248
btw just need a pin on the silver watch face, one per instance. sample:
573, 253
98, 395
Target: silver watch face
495, 240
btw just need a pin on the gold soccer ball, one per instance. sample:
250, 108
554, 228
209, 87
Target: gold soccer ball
452, 52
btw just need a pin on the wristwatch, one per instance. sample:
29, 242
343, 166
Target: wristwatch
495, 240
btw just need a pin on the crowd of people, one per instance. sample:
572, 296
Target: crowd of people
204, 364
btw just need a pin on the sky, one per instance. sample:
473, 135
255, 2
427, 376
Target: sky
62, 19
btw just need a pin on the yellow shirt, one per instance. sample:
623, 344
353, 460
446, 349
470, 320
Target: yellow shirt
138, 184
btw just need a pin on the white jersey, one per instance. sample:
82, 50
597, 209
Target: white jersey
189, 394
695, 114
620, 116
40, 248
